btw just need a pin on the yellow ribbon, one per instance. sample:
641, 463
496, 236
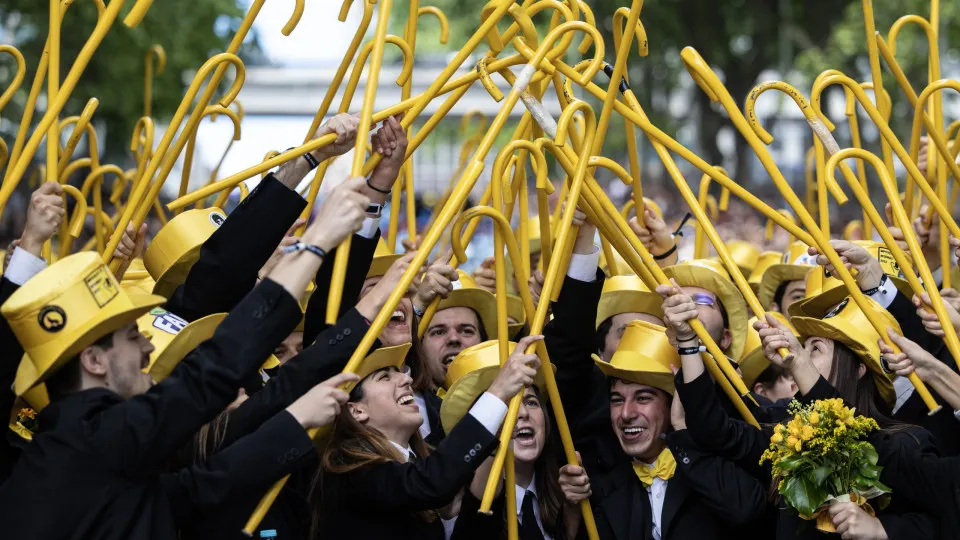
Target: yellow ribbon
664, 469
822, 515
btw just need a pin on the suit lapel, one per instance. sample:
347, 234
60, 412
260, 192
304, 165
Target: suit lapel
677, 492
433, 403
627, 505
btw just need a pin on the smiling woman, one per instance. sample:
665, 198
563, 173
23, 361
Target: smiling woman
378, 479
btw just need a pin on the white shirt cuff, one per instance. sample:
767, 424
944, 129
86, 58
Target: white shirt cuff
489, 411
23, 266
583, 266
885, 295
956, 414
370, 227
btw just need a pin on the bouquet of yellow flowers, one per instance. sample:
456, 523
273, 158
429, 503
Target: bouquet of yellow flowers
822, 455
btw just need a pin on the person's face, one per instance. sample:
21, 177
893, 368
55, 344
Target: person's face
397, 331
451, 330
289, 347
639, 414
124, 362
794, 292
821, 354
708, 311
530, 433
388, 405
784, 388
617, 325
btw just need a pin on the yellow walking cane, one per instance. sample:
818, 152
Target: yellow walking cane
17, 78
359, 153
935, 108
94, 182
53, 87
18, 167
704, 200
926, 283
410, 36
824, 143
502, 229
877, 77
141, 200
464, 186
187, 169
604, 214
150, 72
707, 80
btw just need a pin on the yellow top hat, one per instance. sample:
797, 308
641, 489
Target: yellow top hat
794, 266
847, 324
176, 247
825, 291
65, 308
533, 233
766, 260
855, 226
515, 311
383, 259
754, 362
384, 357
470, 374
744, 254
711, 275
644, 356
627, 294
467, 294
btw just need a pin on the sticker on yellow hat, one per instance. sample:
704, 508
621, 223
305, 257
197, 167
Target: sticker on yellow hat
52, 319
100, 285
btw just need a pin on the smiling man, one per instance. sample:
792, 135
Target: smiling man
648, 479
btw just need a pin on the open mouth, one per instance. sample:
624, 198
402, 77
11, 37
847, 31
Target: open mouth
524, 437
633, 433
448, 359
406, 400
398, 318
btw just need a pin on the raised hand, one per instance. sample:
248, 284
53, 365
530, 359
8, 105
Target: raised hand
486, 276
655, 236
345, 125
374, 300
390, 141
321, 405
868, 270
44, 216
678, 310
437, 281
518, 372
341, 215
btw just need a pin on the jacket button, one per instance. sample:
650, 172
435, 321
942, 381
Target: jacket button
347, 331
473, 453
260, 312
332, 342
339, 337
466, 459
686, 461
477, 447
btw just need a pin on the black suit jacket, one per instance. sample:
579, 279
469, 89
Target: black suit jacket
433, 403
943, 425
234, 254
96, 460
382, 501
930, 482
744, 444
699, 508
11, 352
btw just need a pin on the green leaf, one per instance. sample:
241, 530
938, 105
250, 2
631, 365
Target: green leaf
820, 474
803, 494
791, 463
869, 453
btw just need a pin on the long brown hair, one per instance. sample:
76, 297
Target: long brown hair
414, 360
861, 392
547, 472
353, 446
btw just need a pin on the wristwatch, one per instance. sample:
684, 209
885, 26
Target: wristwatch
374, 209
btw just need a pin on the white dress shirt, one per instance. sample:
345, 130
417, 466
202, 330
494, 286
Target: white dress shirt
23, 266
422, 405
901, 386
370, 227
521, 491
583, 266
657, 491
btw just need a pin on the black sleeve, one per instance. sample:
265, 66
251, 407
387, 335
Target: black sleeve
714, 431
358, 264
424, 484
905, 313
279, 447
318, 362
917, 476
822, 389
569, 338
143, 432
12, 351
732, 493
232, 257
471, 524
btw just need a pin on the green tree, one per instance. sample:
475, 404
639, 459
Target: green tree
190, 31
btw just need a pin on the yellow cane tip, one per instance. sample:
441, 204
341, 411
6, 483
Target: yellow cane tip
935, 411
247, 534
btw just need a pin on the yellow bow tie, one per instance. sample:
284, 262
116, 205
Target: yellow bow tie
664, 468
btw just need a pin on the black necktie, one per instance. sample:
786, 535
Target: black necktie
529, 530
